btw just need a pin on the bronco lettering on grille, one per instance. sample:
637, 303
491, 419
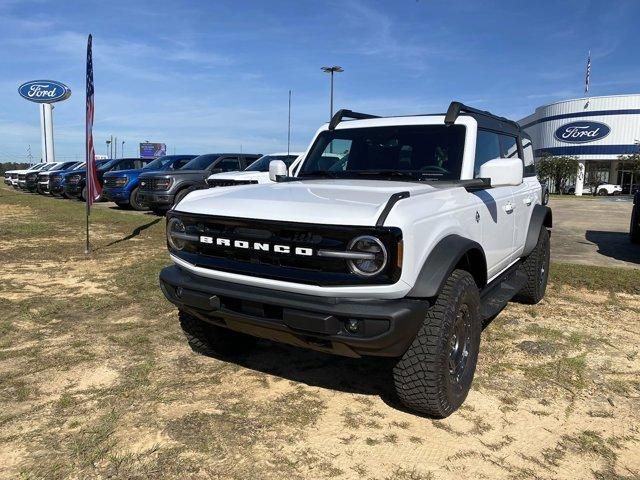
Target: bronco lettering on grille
258, 246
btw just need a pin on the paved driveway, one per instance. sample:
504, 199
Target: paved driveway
593, 231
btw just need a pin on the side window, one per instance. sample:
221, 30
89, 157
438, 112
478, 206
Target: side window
529, 163
228, 164
180, 163
137, 164
487, 148
508, 146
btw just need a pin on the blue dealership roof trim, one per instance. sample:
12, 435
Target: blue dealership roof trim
589, 150
596, 113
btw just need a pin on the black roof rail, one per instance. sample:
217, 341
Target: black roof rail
340, 114
456, 107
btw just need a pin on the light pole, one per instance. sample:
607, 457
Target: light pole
108, 142
332, 70
122, 150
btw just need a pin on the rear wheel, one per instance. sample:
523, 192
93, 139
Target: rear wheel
134, 202
634, 230
602, 192
435, 374
211, 340
536, 267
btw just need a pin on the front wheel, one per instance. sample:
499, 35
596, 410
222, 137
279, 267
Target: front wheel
212, 340
83, 194
545, 197
435, 374
134, 202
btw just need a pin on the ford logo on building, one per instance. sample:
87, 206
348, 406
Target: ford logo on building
582, 132
44, 91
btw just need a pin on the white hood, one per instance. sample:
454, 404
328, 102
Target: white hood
338, 202
261, 177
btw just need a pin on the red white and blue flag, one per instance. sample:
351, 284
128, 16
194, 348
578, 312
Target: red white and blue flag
587, 78
93, 186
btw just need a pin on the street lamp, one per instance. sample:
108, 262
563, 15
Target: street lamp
108, 142
122, 150
332, 70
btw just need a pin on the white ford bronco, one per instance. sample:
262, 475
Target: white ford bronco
399, 237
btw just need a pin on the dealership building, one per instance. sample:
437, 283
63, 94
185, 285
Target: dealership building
597, 130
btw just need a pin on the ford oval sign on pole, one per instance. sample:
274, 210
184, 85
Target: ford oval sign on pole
582, 132
44, 91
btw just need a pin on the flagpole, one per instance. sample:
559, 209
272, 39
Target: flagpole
86, 151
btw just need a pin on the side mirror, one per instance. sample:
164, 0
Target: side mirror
503, 171
277, 168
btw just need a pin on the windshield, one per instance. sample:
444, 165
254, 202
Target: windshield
416, 152
108, 164
63, 166
48, 167
201, 162
163, 162
262, 164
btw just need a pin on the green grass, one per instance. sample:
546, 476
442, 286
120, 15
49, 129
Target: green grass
608, 279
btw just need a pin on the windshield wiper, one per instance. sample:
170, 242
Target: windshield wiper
396, 174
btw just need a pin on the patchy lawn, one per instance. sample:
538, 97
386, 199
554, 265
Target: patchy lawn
96, 380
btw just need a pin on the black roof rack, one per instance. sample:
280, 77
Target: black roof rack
340, 114
455, 108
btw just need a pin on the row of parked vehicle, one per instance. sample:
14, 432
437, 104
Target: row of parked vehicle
143, 183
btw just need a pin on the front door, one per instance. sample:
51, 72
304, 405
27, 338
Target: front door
496, 208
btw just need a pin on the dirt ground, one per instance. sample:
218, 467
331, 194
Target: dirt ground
97, 381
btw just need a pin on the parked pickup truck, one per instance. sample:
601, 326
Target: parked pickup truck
57, 179
161, 190
122, 186
75, 184
404, 247
28, 180
11, 176
44, 178
257, 172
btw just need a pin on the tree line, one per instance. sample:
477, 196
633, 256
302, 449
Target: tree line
4, 166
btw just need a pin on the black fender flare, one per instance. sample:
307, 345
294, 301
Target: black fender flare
448, 253
541, 216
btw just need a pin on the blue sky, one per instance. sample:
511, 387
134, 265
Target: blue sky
207, 76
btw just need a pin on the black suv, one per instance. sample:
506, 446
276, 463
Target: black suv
161, 190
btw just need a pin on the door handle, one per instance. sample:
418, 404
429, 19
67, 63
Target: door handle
527, 201
508, 208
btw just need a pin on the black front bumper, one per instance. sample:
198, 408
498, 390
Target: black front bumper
385, 327
155, 199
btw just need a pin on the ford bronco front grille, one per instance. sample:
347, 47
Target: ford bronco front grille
288, 251
228, 182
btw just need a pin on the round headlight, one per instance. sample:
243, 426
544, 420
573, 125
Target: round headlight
377, 256
176, 233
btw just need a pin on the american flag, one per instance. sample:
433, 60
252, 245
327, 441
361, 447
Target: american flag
588, 74
93, 186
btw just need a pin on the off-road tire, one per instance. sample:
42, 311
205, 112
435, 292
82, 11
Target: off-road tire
634, 229
211, 340
422, 377
133, 201
536, 268
161, 212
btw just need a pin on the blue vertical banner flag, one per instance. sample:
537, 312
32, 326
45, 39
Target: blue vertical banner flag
93, 188
587, 77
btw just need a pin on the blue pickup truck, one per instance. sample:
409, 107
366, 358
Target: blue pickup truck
75, 183
122, 186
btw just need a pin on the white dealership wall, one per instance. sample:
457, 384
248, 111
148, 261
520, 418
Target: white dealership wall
598, 157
